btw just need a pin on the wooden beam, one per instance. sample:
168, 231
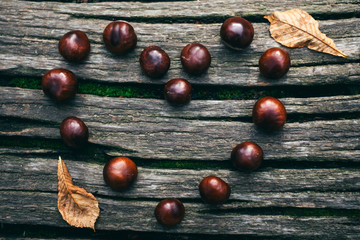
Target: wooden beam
29, 47
152, 129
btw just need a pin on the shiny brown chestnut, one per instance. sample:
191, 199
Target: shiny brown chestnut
214, 190
237, 33
59, 84
74, 46
195, 58
247, 156
269, 113
120, 172
74, 132
154, 61
119, 37
170, 212
178, 91
274, 63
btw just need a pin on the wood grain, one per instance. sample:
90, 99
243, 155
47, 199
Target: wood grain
151, 129
138, 216
29, 47
313, 202
305, 188
196, 9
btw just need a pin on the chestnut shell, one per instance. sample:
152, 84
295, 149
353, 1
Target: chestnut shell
74, 46
59, 84
178, 91
170, 212
269, 114
274, 63
247, 156
195, 58
74, 132
154, 61
237, 33
214, 190
119, 37
119, 173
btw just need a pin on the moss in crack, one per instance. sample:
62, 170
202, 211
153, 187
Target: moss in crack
200, 92
30, 83
49, 232
322, 212
95, 88
247, 94
288, 211
119, 91
183, 164
21, 142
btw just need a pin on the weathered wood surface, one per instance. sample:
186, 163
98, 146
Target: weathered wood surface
304, 188
274, 201
15, 100
138, 216
153, 129
200, 8
31, 183
30, 34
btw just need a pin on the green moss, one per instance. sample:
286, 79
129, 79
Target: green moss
186, 164
322, 212
99, 89
199, 92
288, 211
31, 143
229, 94
118, 91
26, 83
355, 90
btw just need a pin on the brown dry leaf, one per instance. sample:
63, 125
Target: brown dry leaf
297, 28
77, 207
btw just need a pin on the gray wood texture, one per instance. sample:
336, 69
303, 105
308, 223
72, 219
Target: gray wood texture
306, 198
138, 216
200, 8
304, 188
30, 184
152, 129
29, 47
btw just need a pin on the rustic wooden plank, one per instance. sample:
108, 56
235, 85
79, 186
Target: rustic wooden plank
14, 100
196, 9
209, 141
138, 216
152, 129
30, 48
305, 188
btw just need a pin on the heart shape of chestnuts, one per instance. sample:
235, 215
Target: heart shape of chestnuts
119, 38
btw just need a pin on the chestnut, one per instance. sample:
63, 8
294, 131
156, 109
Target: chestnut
269, 113
178, 91
169, 212
119, 173
195, 58
74, 132
214, 190
59, 84
237, 33
74, 46
119, 37
154, 61
247, 156
274, 63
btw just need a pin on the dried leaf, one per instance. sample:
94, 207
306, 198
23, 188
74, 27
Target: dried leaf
77, 207
296, 28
